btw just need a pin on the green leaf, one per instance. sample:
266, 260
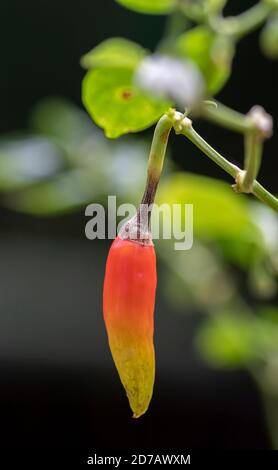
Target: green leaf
269, 38
64, 193
191, 276
211, 53
117, 52
226, 341
60, 119
24, 161
219, 214
218, 211
116, 105
153, 7
232, 340
270, 313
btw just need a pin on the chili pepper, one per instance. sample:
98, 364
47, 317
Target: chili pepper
129, 290
129, 298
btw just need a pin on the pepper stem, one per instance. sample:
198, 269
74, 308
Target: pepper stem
156, 158
138, 228
155, 167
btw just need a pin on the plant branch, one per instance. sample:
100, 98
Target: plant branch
156, 158
183, 125
256, 126
252, 161
265, 196
261, 128
243, 24
176, 24
191, 10
226, 117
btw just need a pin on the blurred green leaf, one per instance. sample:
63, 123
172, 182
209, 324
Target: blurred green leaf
219, 214
211, 53
269, 37
227, 342
95, 170
267, 222
115, 52
270, 313
196, 278
116, 105
58, 118
217, 209
62, 194
128, 154
233, 340
155, 7
262, 281
24, 161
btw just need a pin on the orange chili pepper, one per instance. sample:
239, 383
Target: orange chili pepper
129, 299
129, 290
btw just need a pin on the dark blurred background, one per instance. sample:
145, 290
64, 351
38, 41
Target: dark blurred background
58, 385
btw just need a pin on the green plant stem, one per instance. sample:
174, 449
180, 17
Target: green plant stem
252, 19
243, 24
156, 158
184, 127
253, 158
244, 124
176, 24
216, 157
191, 11
265, 196
226, 117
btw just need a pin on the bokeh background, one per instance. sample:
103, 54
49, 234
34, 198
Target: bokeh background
217, 310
